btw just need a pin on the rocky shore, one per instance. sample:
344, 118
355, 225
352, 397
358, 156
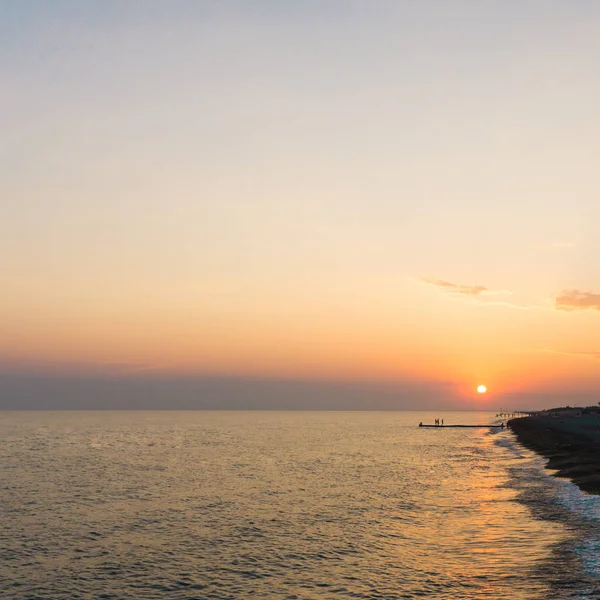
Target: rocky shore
570, 443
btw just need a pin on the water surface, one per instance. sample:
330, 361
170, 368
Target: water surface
300, 505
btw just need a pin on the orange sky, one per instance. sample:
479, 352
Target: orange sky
382, 194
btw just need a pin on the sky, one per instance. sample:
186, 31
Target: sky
317, 204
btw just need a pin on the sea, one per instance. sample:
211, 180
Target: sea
285, 505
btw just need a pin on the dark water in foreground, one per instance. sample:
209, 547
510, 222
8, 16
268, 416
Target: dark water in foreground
189, 505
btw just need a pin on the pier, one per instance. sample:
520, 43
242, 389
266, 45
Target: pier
499, 425
516, 413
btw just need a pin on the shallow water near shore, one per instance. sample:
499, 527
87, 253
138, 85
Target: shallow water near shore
285, 505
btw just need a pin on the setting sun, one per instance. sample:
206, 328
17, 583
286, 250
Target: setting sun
481, 389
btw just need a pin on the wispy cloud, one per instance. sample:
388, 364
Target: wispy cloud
590, 355
455, 288
481, 294
509, 304
577, 300
563, 245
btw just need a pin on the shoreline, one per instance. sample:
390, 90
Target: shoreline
570, 443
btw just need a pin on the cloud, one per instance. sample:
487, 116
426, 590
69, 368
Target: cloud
577, 300
455, 288
563, 245
482, 295
510, 305
592, 355
574, 354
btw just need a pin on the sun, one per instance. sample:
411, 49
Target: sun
481, 389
